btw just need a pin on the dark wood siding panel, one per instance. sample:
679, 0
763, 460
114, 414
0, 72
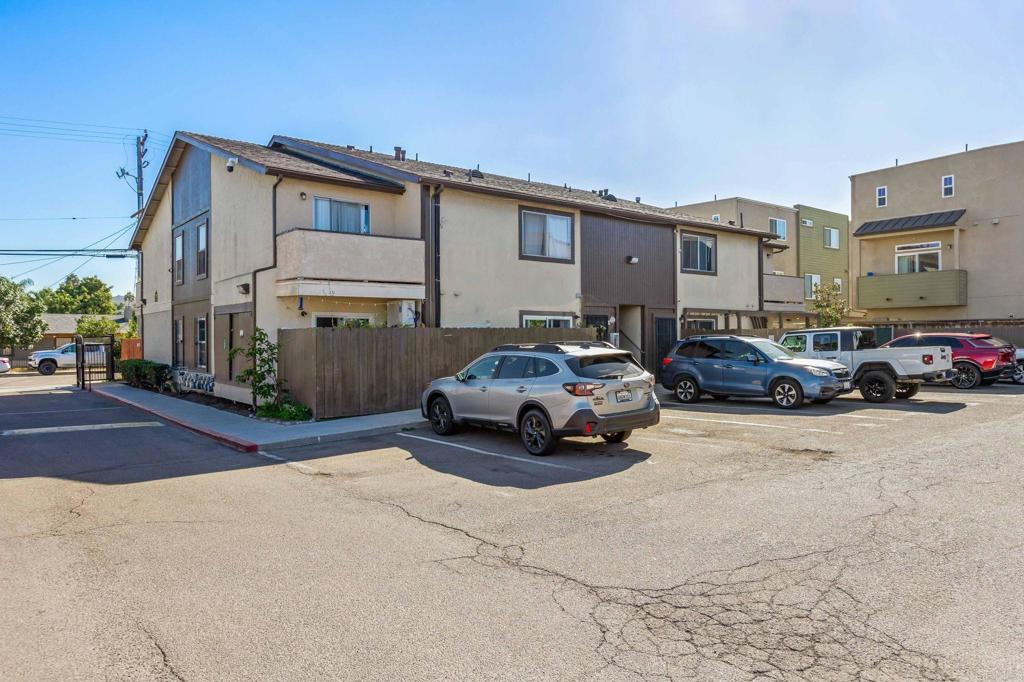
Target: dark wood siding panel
189, 312
192, 288
608, 279
190, 187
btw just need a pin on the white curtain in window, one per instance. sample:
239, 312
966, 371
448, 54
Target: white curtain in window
533, 234
346, 217
322, 214
559, 237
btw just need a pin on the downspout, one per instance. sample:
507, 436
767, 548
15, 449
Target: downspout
142, 304
273, 241
435, 228
760, 275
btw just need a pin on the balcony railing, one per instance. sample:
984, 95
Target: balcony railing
342, 263
913, 290
783, 293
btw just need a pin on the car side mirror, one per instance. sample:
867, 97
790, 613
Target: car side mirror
752, 357
461, 377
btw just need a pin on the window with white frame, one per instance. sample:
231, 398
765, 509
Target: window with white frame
831, 238
811, 284
179, 341
179, 258
545, 236
202, 238
201, 342
548, 321
921, 257
332, 215
881, 196
777, 226
838, 281
947, 186
697, 253
347, 320
807, 222
705, 323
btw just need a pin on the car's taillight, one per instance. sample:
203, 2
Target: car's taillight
927, 359
666, 362
581, 388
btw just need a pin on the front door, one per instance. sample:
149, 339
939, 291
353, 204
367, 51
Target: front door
469, 398
509, 389
664, 336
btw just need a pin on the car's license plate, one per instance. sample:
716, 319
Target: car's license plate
623, 396
846, 385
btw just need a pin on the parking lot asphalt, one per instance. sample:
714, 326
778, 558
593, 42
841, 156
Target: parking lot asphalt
733, 541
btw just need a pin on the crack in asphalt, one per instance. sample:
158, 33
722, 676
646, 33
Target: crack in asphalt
778, 619
74, 511
165, 659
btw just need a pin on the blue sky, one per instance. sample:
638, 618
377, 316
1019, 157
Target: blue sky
779, 101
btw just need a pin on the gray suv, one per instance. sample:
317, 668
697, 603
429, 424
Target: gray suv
546, 391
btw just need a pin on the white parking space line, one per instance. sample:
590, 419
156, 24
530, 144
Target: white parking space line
85, 409
492, 454
763, 426
297, 465
673, 441
867, 416
80, 427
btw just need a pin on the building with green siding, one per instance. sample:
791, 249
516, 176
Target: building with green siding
823, 249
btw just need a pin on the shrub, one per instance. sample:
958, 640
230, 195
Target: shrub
145, 374
287, 410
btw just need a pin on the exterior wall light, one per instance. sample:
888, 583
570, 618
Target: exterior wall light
302, 195
243, 288
632, 260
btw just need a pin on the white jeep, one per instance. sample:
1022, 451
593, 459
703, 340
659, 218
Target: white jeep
880, 374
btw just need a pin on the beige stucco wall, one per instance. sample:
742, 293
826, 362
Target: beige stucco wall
754, 215
735, 287
483, 281
156, 283
157, 330
988, 186
396, 215
313, 254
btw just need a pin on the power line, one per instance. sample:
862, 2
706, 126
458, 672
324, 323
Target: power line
56, 130
61, 139
108, 217
82, 125
87, 260
54, 260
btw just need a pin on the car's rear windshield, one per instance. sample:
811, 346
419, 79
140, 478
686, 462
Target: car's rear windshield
991, 342
605, 366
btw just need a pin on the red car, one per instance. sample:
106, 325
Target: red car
978, 359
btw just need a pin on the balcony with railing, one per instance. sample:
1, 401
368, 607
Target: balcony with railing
783, 293
321, 263
913, 290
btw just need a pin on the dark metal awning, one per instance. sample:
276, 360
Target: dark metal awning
926, 221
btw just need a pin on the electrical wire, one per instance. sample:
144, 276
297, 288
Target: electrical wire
105, 217
87, 260
60, 258
80, 125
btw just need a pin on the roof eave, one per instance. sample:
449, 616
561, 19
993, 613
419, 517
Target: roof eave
342, 158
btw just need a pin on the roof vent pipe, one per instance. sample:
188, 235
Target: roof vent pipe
638, 200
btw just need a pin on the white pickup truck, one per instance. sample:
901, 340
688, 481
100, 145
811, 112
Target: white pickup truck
879, 373
47, 361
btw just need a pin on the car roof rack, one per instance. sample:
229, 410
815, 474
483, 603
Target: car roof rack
555, 347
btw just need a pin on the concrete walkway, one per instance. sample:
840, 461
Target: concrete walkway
250, 434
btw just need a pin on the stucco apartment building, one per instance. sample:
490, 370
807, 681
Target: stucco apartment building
938, 240
809, 246
295, 233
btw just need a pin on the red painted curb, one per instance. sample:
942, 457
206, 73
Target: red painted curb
223, 439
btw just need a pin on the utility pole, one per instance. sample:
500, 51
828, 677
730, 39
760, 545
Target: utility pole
140, 163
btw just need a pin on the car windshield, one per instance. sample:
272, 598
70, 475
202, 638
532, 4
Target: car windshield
773, 350
605, 366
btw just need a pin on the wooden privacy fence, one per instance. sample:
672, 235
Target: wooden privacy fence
131, 349
346, 372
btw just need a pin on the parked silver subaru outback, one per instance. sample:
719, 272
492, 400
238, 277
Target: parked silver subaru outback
546, 391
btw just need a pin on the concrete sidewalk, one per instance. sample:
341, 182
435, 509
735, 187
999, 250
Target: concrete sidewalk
248, 434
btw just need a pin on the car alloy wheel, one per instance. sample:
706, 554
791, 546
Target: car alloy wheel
686, 389
535, 434
785, 395
874, 388
1018, 373
967, 376
441, 418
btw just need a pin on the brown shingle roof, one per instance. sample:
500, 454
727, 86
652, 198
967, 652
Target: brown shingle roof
464, 178
276, 161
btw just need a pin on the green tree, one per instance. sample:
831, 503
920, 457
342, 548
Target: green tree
94, 325
261, 374
21, 315
78, 295
830, 305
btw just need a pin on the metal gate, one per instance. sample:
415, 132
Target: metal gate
94, 360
